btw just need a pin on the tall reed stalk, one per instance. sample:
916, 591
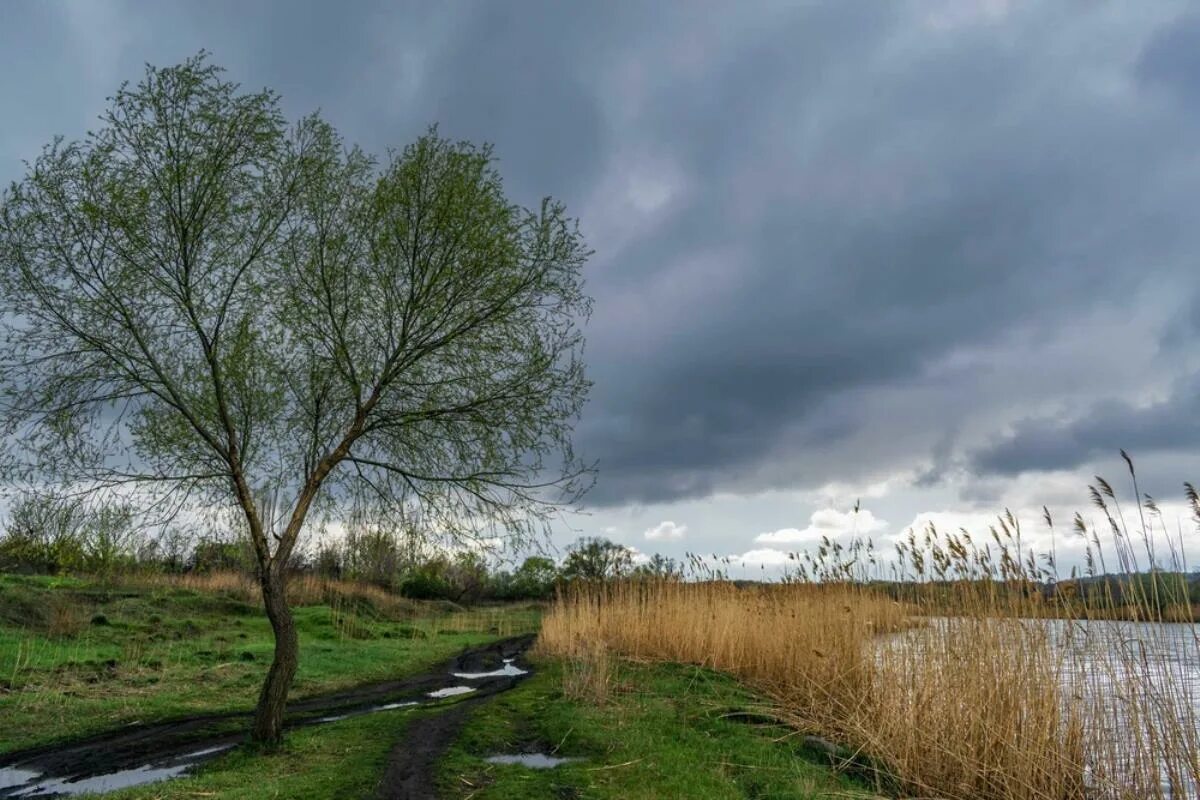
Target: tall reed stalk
963, 670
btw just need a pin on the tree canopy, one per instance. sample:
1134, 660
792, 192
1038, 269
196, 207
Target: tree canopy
222, 309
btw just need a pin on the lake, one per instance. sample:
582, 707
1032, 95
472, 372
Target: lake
1133, 687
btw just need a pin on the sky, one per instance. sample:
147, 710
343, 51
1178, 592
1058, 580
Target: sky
937, 258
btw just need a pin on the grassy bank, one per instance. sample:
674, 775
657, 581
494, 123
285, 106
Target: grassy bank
978, 705
77, 656
88, 657
638, 731
662, 731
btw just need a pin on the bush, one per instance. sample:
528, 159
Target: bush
427, 581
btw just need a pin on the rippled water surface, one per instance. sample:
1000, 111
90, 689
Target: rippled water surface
1129, 681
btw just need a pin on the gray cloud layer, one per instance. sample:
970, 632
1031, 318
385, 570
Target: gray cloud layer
801, 213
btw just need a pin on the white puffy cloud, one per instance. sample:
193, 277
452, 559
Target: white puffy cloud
666, 531
764, 556
637, 557
825, 522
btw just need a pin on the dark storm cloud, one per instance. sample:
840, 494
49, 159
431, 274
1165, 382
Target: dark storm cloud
939, 197
1169, 425
792, 205
1172, 60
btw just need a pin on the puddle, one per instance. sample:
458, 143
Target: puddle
451, 691
532, 760
28, 783
390, 706
371, 710
11, 777
509, 670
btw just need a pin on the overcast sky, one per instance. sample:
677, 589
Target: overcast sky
939, 256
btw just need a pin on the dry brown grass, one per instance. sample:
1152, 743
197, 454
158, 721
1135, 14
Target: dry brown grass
590, 674
303, 590
64, 617
985, 704
993, 680
799, 641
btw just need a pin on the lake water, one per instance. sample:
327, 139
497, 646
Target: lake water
1135, 685
1142, 681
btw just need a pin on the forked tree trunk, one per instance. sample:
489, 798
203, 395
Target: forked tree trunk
268, 717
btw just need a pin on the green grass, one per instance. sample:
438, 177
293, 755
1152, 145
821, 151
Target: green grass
664, 737
666, 733
146, 655
343, 759
121, 655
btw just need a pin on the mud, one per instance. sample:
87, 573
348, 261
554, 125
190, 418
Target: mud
411, 772
531, 760
143, 753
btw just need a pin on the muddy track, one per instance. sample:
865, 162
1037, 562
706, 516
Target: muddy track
412, 765
140, 753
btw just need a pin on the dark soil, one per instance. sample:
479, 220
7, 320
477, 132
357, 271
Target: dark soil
410, 765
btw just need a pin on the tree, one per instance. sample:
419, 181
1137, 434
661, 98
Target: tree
659, 566
535, 577
211, 308
597, 559
372, 554
44, 534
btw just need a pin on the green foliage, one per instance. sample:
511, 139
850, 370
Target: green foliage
50, 534
203, 297
427, 581
535, 579
214, 555
659, 566
231, 311
371, 554
597, 559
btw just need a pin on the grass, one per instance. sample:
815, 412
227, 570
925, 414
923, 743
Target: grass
155, 650
970, 688
343, 759
663, 730
162, 651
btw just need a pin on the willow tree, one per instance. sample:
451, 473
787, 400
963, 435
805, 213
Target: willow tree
208, 306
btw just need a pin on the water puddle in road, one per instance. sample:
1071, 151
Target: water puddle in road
509, 670
390, 706
11, 777
25, 783
370, 710
532, 760
451, 691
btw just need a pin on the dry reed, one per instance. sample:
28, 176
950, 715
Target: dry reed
964, 690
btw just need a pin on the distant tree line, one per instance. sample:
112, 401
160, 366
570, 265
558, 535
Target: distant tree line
1153, 595
55, 535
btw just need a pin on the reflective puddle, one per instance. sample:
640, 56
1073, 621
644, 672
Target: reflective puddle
371, 710
31, 784
509, 670
451, 691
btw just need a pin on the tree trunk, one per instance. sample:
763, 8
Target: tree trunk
268, 717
